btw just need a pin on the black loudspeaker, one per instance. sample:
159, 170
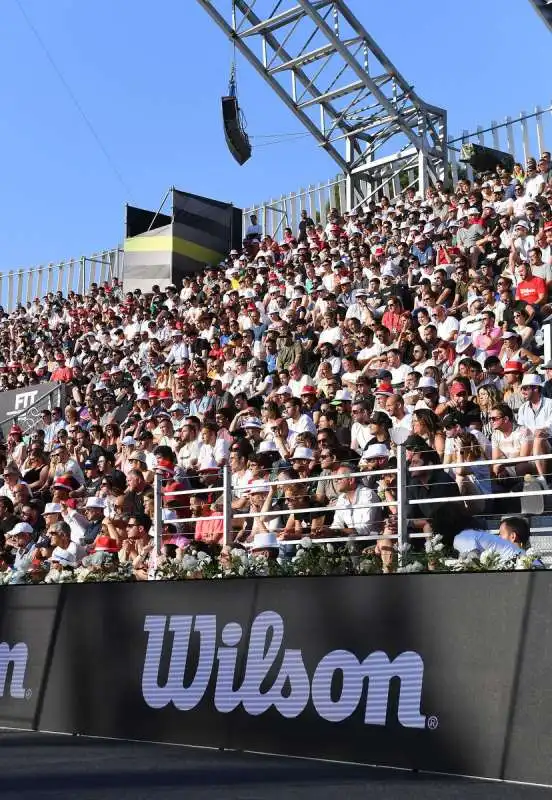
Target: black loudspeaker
236, 138
484, 159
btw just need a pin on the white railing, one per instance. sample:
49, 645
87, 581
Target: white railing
285, 211
522, 135
402, 505
21, 286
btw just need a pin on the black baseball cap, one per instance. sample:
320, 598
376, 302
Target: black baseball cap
415, 442
450, 420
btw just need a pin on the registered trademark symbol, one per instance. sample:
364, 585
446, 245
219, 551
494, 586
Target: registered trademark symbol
28, 694
432, 723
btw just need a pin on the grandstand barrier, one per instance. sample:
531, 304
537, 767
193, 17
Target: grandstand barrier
541, 534
21, 286
521, 136
389, 670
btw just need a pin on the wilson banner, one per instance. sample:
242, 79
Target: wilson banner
422, 672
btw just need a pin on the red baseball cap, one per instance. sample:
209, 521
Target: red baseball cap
165, 465
513, 366
457, 387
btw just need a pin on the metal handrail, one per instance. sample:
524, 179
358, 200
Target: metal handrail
483, 462
288, 482
401, 504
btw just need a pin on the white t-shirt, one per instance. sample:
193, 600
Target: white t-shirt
509, 445
447, 328
304, 423
298, 386
361, 435
219, 451
331, 335
533, 186
398, 374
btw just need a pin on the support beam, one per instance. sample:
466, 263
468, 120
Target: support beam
336, 80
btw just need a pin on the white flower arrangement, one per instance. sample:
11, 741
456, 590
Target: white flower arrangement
412, 566
311, 558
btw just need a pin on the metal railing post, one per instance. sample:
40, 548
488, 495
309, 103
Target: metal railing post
402, 500
227, 505
157, 513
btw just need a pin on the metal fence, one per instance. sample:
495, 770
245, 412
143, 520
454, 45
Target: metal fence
21, 286
401, 507
522, 135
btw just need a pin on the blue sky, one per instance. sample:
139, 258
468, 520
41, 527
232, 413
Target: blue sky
149, 78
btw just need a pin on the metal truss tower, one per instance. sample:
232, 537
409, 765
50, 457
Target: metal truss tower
544, 8
328, 70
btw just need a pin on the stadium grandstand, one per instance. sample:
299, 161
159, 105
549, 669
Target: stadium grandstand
363, 384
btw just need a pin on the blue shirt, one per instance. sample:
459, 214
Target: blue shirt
470, 540
423, 256
271, 361
201, 407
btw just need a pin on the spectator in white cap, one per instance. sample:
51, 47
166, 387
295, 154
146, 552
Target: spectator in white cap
122, 459
94, 511
535, 415
12, 479
21, 539
260, 500
302, 461
253, 426
373, 459
428, 394
265, 544
60, 562
522, 243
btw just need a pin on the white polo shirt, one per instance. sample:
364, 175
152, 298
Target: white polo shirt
540, 417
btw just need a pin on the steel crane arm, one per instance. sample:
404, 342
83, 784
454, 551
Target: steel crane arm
280, 91
544, 9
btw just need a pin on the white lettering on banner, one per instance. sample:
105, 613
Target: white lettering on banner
291, 688
23, 401
16, 656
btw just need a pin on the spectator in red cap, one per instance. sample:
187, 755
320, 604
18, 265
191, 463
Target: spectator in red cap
16, 447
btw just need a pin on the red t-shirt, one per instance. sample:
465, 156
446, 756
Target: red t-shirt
62, 374
529, 291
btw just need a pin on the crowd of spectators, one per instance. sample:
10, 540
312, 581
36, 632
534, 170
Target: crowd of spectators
417, 322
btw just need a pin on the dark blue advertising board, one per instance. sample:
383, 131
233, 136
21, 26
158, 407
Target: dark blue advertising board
429, 672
